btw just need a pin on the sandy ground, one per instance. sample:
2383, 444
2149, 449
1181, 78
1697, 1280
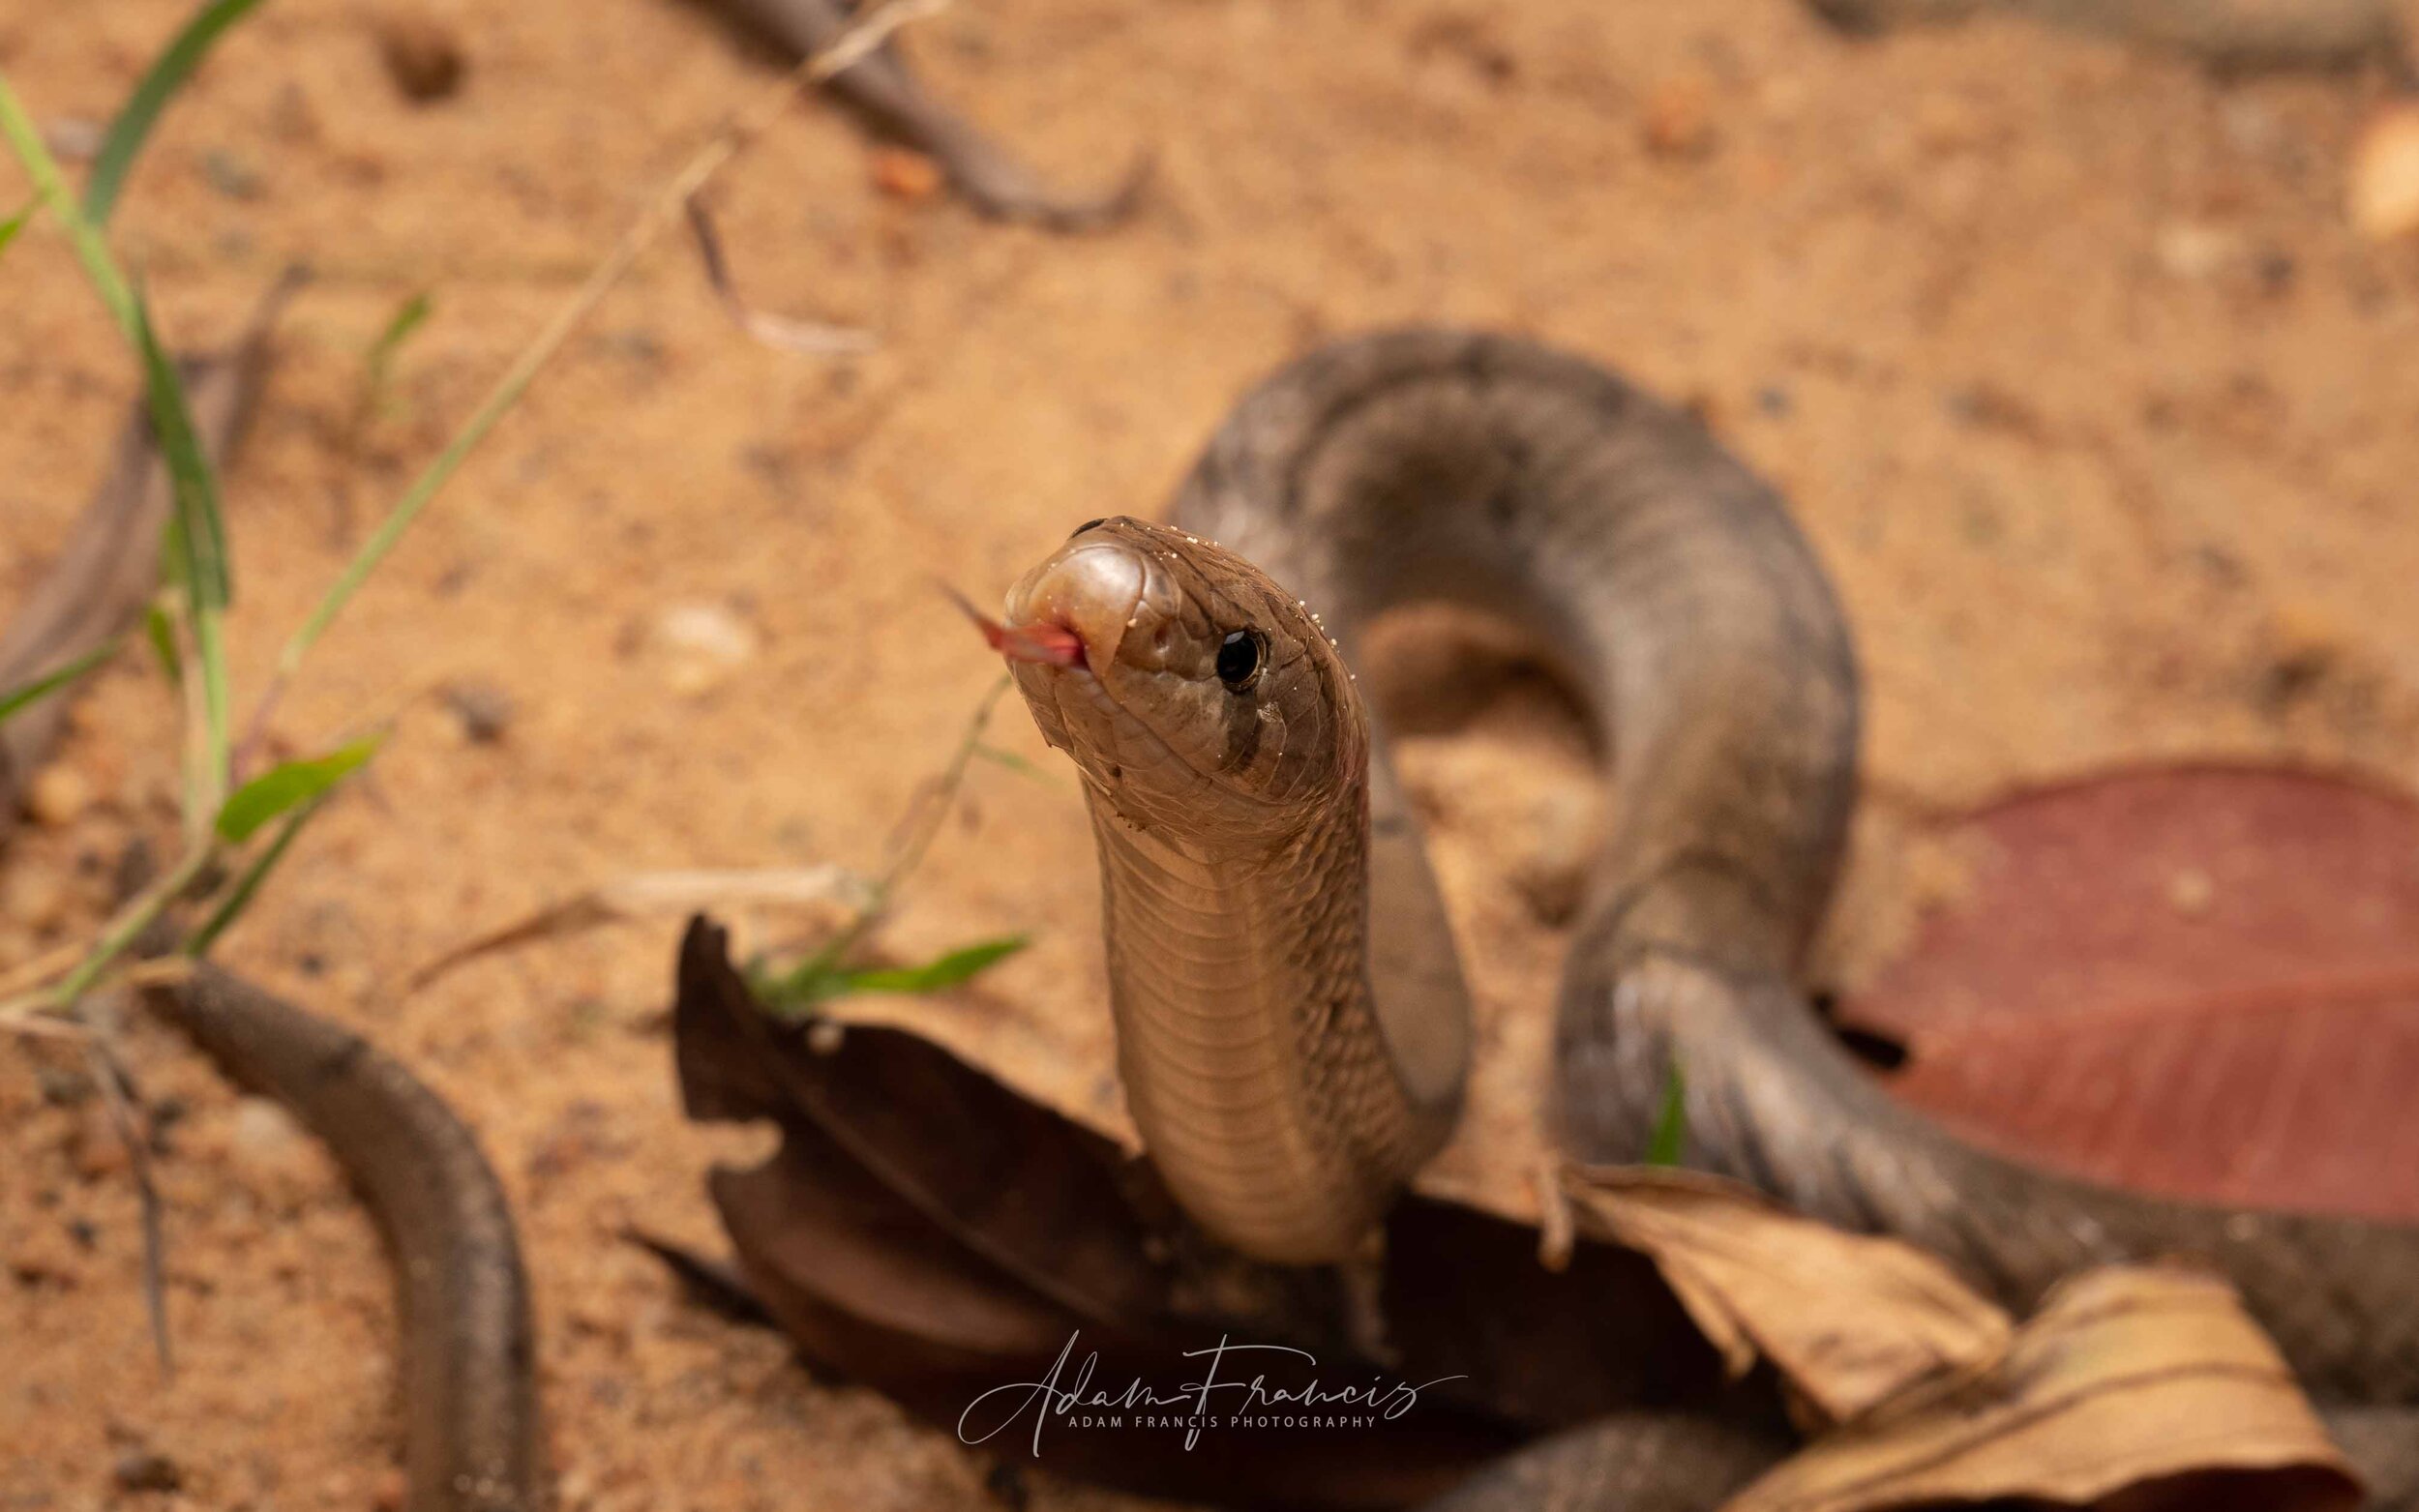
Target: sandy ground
2100, 417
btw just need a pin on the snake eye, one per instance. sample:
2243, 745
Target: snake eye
1239, 659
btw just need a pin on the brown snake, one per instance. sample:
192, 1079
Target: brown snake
1292, 1023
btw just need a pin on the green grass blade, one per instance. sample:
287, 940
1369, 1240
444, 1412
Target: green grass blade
949, 970
16, 223
161, 631
282, 788
1671, 1125
409, 317
819, 977
168, 73
200, 529
232, 907
52, 681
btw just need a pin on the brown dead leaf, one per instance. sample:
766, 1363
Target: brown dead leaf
1849, 1320
2148, 1383
2198, 981
925, 1230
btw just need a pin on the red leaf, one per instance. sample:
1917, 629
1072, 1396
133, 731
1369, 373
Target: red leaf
2198, 981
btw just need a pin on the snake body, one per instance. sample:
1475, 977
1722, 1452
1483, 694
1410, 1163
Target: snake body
1291, 1023
472, 1441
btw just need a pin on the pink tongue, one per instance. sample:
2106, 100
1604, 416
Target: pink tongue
1052, 645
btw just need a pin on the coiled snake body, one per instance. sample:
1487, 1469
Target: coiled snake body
1291, 1024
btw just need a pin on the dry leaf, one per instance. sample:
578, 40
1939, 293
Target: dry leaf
1849, 1320
929, 1233
2198, 981
2149, 1382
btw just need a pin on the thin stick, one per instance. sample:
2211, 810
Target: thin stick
132, 1133
917, 830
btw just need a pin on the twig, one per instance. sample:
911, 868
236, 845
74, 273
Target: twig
115, 1089
34, 1020
882, 90
814, 338
917, 831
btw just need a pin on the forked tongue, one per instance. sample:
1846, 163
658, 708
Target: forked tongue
1052, 645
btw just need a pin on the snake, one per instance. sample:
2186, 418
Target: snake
1292, 1023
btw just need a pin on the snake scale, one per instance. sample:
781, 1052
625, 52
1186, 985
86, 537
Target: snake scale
1292, 1023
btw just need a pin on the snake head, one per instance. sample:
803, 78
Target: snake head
1199, 699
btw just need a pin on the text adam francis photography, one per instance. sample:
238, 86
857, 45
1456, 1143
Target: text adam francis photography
1230, 1385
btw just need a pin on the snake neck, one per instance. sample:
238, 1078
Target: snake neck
1255, 1064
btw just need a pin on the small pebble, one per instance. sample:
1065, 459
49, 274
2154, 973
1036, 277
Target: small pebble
481, 709
2382, 196
421, 56
903, 173
73, 138
704, 644
146, 1470
1679, 119
2192, 250
267, 1141
59, 795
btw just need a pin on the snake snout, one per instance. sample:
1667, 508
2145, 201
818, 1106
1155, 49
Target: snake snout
1088, 589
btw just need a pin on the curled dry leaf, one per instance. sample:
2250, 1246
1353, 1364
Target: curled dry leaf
2199, 981
1849, 1320
2149, 1383
927, 1232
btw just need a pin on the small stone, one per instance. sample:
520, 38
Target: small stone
146, 1470
263, 1128
230, 175
1679, 118
903, 173
73, 138
482, 710
2382, 196
2194, 249
57, 796
421, 56
703, 644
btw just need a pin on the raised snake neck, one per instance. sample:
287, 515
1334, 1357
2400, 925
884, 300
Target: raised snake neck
1485, 469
